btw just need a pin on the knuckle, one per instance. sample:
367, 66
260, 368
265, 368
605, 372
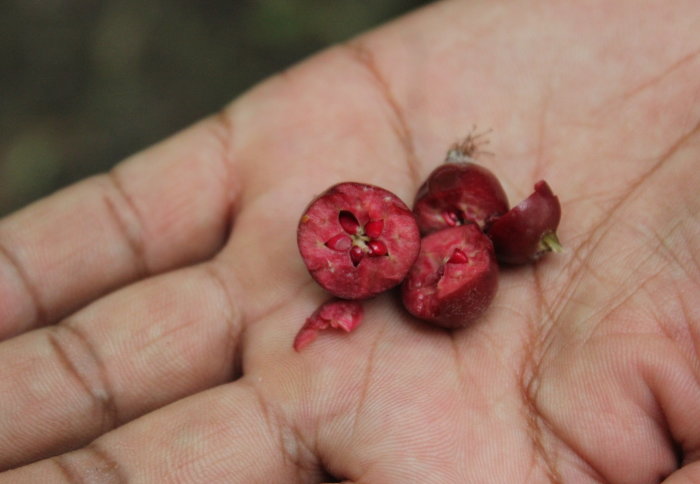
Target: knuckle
82, 364
91, 464
122, 209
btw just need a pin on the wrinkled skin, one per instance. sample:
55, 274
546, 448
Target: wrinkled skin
585, 369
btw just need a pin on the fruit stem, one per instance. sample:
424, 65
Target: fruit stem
550, 242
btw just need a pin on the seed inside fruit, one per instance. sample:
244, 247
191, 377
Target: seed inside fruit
361, 241
348, 221
376, 248
374, 228
458, 257
339, 242
356, 255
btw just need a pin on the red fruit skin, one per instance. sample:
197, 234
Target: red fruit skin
335, 314
441, 287
458, 193
366, 269
528, 230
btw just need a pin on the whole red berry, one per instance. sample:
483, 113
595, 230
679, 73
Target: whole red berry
358, 240
528, 230
454, 278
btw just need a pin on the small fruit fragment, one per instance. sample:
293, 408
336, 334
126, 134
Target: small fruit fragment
334, 314
459, 192
358, 240
454, 278
528, 230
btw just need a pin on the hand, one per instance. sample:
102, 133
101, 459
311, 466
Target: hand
149, 313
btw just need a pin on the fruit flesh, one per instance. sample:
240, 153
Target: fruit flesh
528, 231
358, 240
454, 278
333, 314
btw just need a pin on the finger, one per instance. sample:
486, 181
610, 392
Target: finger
163, 208
689, 474
133, 351
640, 407
226, 434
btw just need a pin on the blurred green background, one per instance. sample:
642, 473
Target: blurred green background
85, 83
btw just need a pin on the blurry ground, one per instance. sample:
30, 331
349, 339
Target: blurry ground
84, 83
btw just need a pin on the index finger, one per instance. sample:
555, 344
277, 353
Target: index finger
163, 208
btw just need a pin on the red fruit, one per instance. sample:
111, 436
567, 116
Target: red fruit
336, 314
358, 240
459, 192
454, 279
528, 230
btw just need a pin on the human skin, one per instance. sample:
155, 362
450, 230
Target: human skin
148, 314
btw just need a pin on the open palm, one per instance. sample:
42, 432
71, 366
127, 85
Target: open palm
148, 314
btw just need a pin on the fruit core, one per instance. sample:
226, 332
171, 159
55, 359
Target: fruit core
357, 240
